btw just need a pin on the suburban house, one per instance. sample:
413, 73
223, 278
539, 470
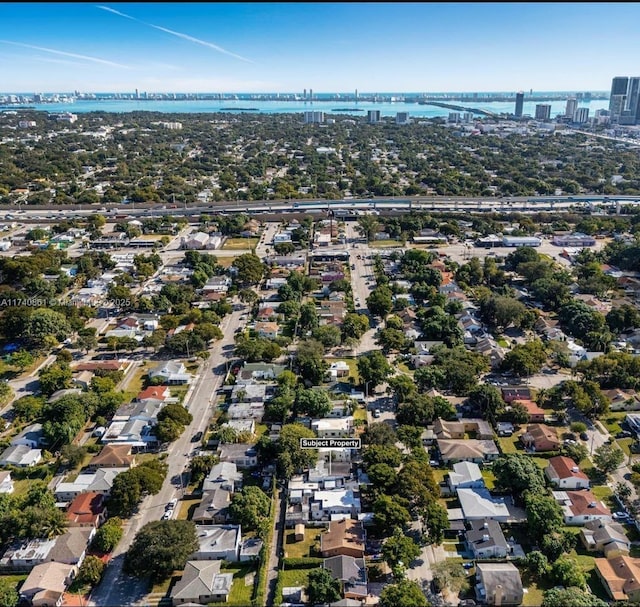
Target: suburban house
620, 575
46, 584
23, 555
250, 549
31, 436
339, 369
564, 473
218, 542
6, 482
480, 429
621, 400
333, 427
345, 537
112, 456
171, 372
511, 394
267, 330
71, 547
485, 539
240, 454
536, 414
214, 508
351, 572
470, 450
248, 393
479, 504
579, 507
465, 475
609, 538
87, 510
540, 437
246, 411
223, 475
250, 372
202, 583
20, 456
333, 503
498, 584
99, 481
156, 393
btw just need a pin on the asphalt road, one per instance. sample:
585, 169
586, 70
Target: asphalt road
116, 588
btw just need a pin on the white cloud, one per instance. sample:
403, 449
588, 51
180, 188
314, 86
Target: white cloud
66, 54
210, 45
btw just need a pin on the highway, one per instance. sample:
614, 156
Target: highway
390, 205
117, 588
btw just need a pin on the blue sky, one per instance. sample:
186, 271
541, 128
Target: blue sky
329, 47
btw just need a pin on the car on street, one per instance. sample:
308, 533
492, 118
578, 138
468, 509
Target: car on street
171, 504
196, 437
167, 515
584, 436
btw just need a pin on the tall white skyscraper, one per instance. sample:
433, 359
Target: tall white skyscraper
581, 115
572, 106
313, 117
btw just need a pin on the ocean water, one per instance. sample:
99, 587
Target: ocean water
294, 107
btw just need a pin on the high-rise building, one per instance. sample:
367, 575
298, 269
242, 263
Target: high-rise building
631, 112
313, 117
373, 116
581, 115
402, 118
572, 106
618, 96
304, 95
519, 104
543, 111
310, 94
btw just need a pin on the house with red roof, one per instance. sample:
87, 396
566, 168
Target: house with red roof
536, 414
580, 507
87, 510
564, 473
160, 393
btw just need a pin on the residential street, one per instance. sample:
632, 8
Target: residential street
117, 588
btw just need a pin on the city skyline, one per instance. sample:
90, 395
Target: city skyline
331, 47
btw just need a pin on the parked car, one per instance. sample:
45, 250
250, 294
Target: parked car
584, 436
196, 437
620, 516
171, 504
376, 413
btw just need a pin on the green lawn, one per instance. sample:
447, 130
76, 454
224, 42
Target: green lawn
353, 368
360, 413
240, 244
510, 444
385, 244
225, 262
186, 508
242, 588
288, 578
303, 548
612, 421
489, 479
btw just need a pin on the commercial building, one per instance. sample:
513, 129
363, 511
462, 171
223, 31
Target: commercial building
519, 104
521, 241
624, 100
574, 240
543, 111
403, 118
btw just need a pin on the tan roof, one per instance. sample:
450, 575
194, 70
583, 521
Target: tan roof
346, 533
113, 456
47, 577
531, 406
621, 574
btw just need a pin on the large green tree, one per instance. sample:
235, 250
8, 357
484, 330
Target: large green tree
406, 593
322, 587
160, 548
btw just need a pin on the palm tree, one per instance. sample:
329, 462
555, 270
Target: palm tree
368, 226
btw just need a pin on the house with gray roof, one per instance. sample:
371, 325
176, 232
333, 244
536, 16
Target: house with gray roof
249, 393
223, 475
241, 454
214, 508
21, 456
498, 584
484, 538
480, 504
31, 436
202, 583
351, 572
465, 475
605, 537
71, 547
218, 542
172, 372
